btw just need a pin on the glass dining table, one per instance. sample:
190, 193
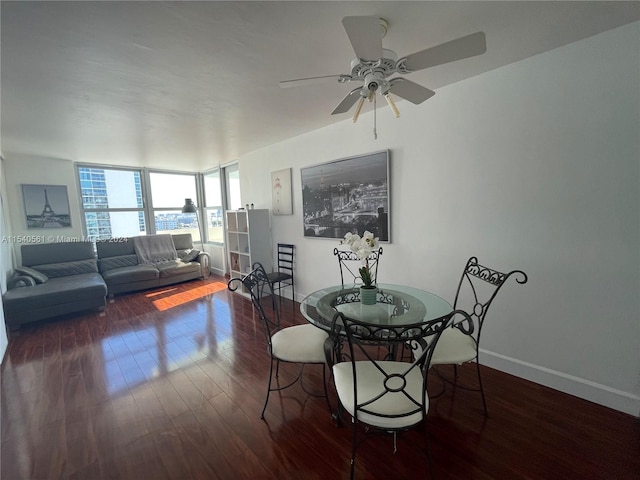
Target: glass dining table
397, 307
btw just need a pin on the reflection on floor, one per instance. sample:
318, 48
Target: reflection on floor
133, 357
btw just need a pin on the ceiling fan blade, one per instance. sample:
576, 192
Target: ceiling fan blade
299, 82
410, 90
365, 35
463, 47
348, 101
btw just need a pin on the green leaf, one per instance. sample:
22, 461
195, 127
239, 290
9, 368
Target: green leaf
365, 275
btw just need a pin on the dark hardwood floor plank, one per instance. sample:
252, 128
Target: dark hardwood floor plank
49, 455
82, 453
169, 384
169, 397
231, 456
207, 387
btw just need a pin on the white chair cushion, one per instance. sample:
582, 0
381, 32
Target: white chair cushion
370, 384
299, 344
453, 347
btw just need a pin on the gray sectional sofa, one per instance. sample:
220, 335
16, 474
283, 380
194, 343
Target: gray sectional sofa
120, 265
61, 278
55, 279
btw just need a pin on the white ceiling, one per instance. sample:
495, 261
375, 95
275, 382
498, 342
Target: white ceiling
189, 85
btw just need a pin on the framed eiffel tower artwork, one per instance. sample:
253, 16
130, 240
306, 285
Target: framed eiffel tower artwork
46, 206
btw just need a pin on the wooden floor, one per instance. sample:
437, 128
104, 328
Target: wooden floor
169, 384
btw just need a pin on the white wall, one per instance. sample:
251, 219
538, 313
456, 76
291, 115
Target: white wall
533, 166
24, 169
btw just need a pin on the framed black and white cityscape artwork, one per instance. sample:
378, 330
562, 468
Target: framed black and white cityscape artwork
46, 206
347, 195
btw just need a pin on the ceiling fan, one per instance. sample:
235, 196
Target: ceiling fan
374, 64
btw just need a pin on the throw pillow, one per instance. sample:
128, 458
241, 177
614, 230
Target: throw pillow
30, 272
189, 255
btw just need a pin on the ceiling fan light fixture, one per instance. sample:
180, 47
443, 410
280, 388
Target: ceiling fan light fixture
358, 108
392, 105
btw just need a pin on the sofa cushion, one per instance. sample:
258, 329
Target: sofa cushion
182, 241
136, 273
177, 267
119, 261
114, 247
54, 270
154, 249
17, 280
57, 291
39, 277
188, 255
61, 252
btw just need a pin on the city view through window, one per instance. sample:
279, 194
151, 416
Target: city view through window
168, 194
113, 204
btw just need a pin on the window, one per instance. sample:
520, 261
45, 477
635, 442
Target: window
118, 202
213, 206
112, 203
168, 194
232, 176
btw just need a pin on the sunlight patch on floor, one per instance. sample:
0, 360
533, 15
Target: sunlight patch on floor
181, 298
160, 292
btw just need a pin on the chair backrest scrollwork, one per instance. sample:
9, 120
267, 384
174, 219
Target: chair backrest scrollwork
476, 290
350, 263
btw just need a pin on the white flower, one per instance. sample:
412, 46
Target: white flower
361, 246
370, 240
348, 238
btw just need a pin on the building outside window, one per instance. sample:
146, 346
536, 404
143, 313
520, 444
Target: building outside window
112, 203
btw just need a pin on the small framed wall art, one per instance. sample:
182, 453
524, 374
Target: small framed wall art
46, 206
281, 192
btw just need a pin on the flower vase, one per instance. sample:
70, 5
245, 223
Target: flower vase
368, 295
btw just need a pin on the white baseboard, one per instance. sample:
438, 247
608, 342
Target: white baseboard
579, 387
217, 271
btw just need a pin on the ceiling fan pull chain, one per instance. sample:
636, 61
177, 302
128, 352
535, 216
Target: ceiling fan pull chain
375, 130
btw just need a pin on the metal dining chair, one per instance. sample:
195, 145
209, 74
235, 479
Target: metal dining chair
283, 276
349, 264
301, 344
383, 395
477, 288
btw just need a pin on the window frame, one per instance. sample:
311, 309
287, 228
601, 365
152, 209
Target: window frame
147, 208
84, 211
206, 206
152, 210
